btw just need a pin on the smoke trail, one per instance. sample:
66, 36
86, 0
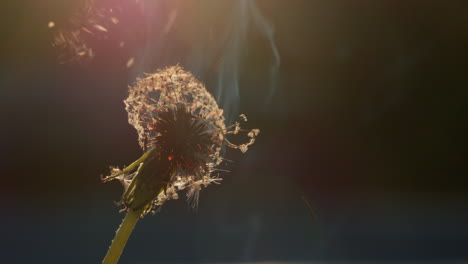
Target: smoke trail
267, 29
209, 38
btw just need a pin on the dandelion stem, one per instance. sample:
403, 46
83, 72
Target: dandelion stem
121, 236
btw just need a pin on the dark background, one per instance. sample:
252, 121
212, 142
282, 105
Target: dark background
362, 154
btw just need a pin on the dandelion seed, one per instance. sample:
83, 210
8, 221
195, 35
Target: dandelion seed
130, 62
114, 20
243, 117
100, 28
86, 30
253, 133
243, 148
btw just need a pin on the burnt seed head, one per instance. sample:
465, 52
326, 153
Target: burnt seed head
181, 131
187, 141
179, 121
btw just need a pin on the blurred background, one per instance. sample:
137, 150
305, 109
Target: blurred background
361, 106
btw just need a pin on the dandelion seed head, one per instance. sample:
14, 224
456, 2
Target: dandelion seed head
182, 131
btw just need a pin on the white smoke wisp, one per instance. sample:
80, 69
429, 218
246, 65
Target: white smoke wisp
210, 39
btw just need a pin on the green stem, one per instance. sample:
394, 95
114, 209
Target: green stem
121, 237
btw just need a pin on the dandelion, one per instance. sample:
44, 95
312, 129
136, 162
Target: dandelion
182, 131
